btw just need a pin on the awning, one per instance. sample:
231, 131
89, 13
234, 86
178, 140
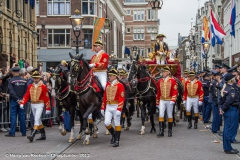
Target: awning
127, 51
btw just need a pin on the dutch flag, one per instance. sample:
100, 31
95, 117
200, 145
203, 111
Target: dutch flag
233, 18
217, 31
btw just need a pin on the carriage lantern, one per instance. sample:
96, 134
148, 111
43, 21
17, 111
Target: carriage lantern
76, 21
156, 4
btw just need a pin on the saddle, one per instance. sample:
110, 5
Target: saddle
97, 87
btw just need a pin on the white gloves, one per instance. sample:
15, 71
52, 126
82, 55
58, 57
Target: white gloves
48, 112
118, 113
184, 102
172, 103
21, 106
92, 65
102, 112
199, 103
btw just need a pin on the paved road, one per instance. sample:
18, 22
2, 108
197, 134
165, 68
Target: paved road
185, 144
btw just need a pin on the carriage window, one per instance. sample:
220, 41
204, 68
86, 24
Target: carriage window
59, 38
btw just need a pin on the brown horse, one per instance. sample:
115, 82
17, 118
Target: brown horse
88, 92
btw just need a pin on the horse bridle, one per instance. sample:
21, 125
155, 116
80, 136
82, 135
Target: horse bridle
76, 65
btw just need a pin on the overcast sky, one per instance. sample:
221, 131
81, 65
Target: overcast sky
175, 17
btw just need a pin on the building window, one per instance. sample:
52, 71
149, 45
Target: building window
8, 4
16, 5
88, 7
58, 37
26, 49
151, 15
128, 12
152, 30
100, 9
58, 7
138, 34
87, 38
149, 50
38, 38
138, 15
141, 52
128, 30
153, 36
23, 11
37, 7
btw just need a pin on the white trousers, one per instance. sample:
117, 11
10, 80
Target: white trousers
102, 76
192, 102
163, 105
110, 113
37, 110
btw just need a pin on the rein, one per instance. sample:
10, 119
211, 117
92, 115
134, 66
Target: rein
85, 83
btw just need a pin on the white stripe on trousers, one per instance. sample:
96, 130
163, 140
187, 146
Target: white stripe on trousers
192, 102
37, 110
111, 112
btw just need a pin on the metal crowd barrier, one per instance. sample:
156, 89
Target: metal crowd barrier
5, 113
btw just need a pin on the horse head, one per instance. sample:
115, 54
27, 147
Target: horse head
77, 66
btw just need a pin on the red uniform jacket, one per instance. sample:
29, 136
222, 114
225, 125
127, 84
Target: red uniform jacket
101, 61
37, 95
114, 95
193, 90
167, 91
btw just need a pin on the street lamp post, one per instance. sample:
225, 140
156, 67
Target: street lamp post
206, 49
76, 21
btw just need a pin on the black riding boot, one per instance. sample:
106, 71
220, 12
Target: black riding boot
185, 116
189, 122
161, 128
111, 130
170, 129
116, 143
31, 137
43, 135
196, 122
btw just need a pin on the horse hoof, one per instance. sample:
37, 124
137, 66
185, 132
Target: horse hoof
126, 129
64, 133
107, 132
142, 132
85, 142
95, 136
153, 130
79, 137
71, 140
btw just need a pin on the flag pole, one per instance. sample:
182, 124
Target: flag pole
230, 55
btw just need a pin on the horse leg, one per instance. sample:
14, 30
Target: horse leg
85, 128
153, 104
143, 113
81, 124
71, 138
95, 131
123, 119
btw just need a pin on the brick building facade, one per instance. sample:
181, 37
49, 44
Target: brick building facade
56, 37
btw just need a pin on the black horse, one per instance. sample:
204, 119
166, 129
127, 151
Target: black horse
88, 92
128, 107
145, 93
65, 99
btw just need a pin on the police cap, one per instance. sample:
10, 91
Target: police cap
228, 77
233, 69
15, 69
225, 66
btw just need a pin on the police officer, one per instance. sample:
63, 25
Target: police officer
214, 92
206, 105
228, 108
17, 87
233, 70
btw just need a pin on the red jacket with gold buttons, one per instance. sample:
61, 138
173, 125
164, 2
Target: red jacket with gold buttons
114, 95
193, 90
167, 90
101, 61
37, 95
